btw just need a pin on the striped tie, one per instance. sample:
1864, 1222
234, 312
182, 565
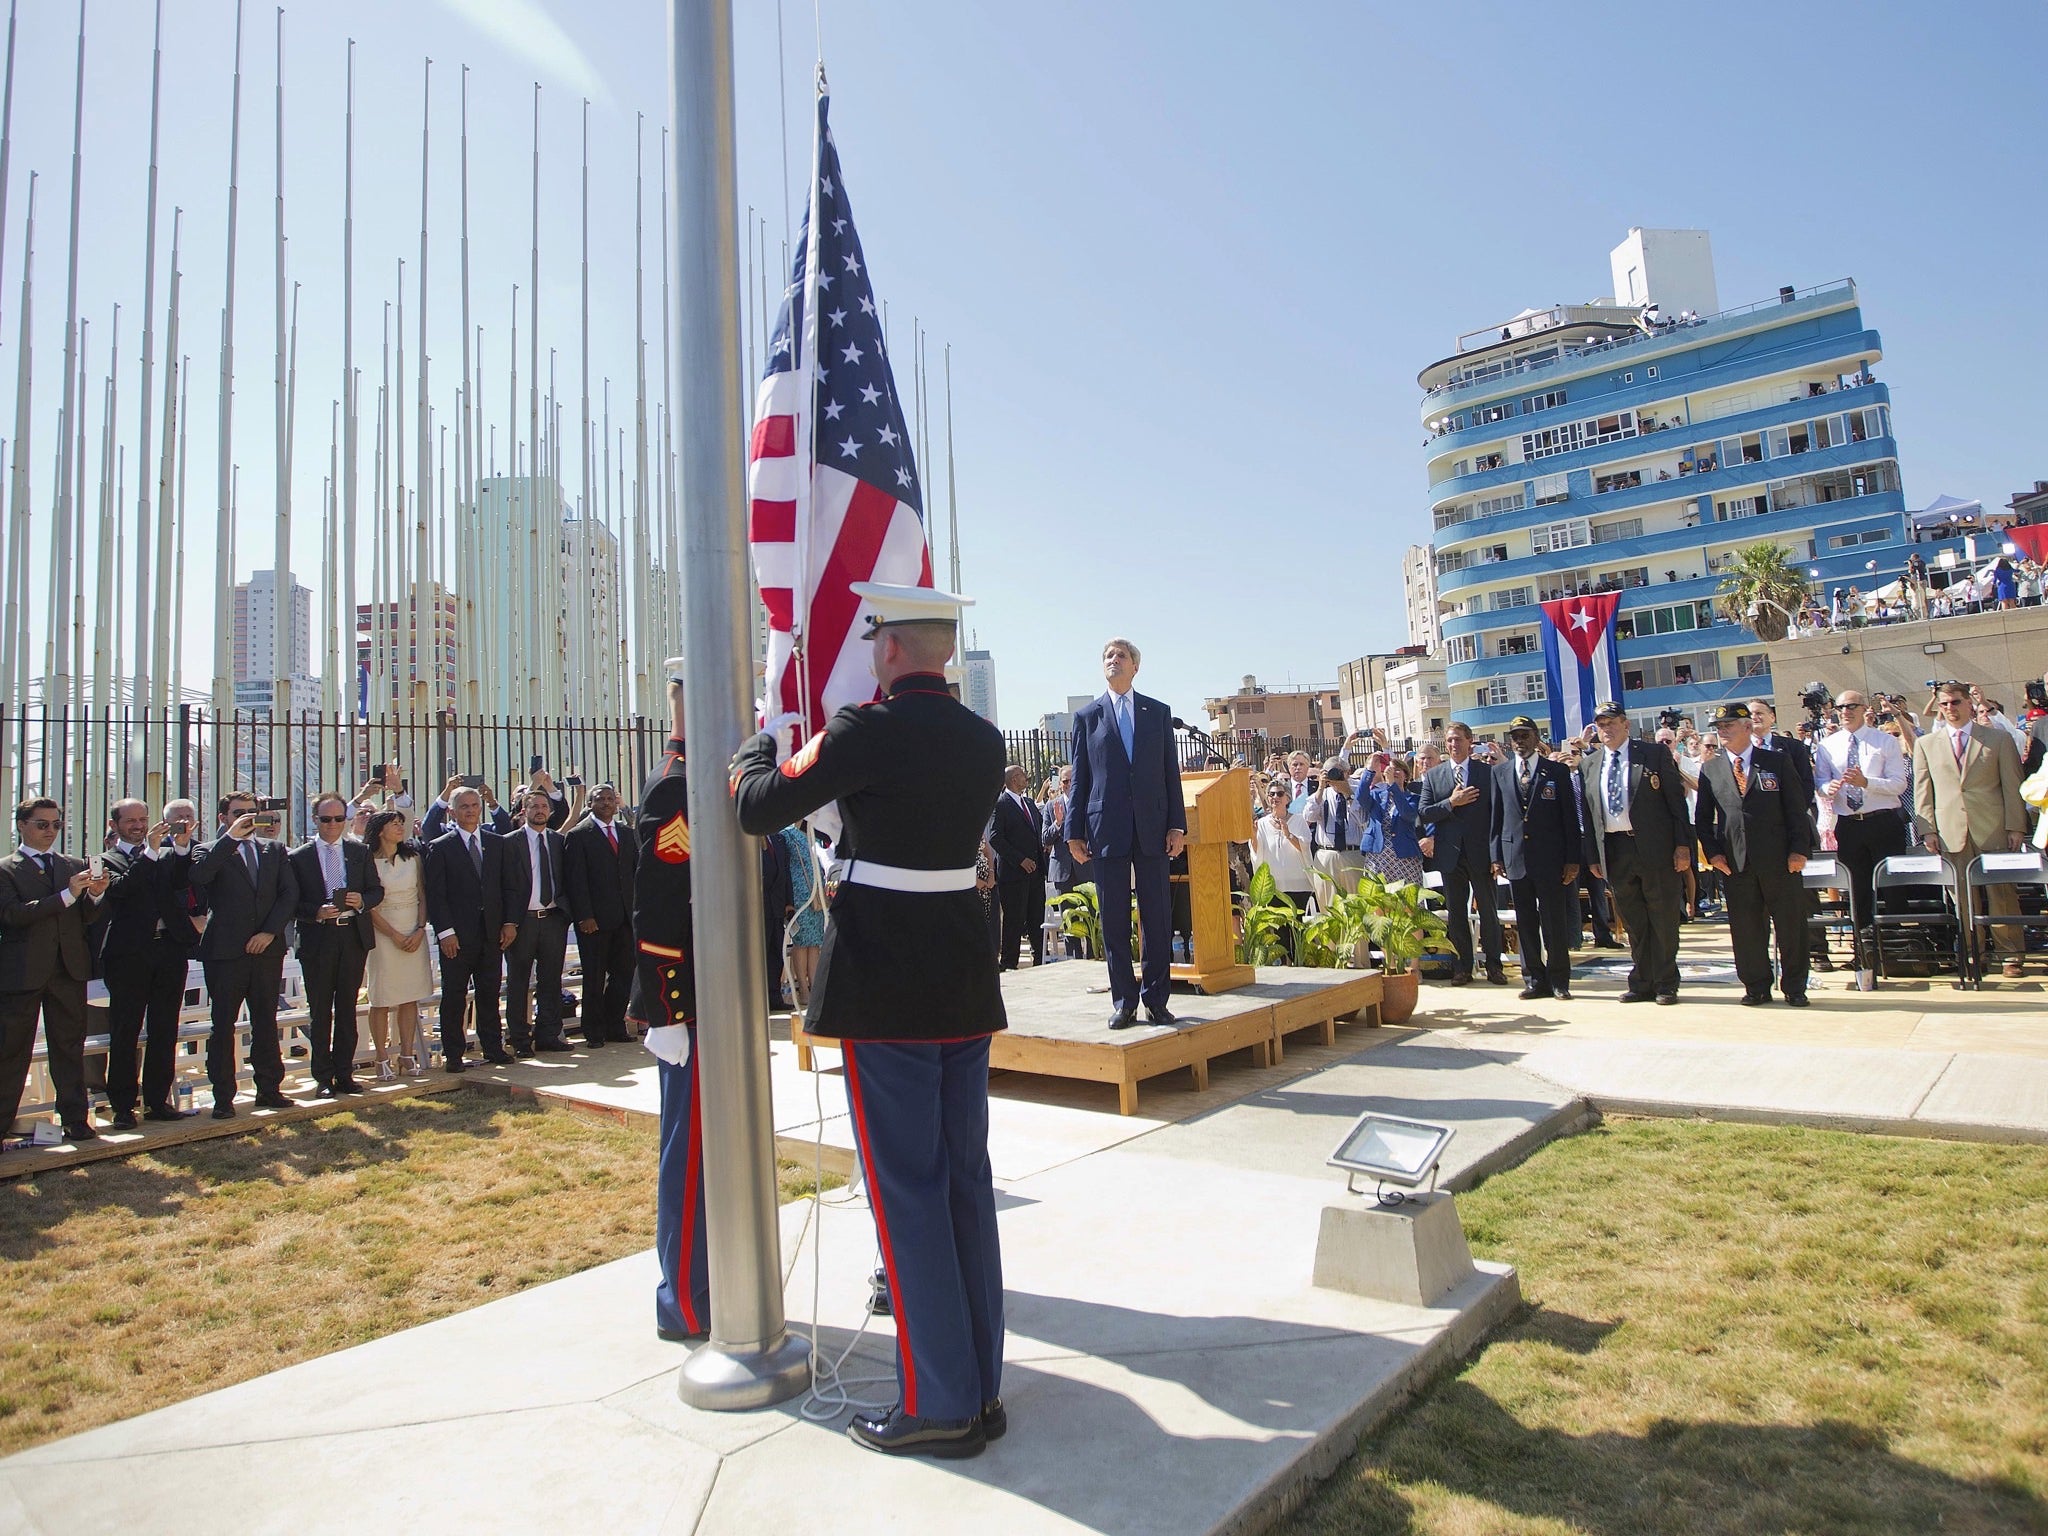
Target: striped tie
1741, 775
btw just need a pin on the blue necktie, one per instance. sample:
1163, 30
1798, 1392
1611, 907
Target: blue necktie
1124, 727
1854, 795
1614, 781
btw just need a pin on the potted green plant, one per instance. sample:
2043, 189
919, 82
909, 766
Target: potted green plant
1401, 924
1080, 913
1269, 923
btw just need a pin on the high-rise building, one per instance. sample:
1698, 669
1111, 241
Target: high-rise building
978, 684
1402, 694
256, 619
1638, 444
390, 628
1060, 722
1418, 591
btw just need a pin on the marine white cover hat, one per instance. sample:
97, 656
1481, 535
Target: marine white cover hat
883, 603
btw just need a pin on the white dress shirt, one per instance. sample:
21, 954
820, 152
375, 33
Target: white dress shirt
1330, 813
1882, 760
1614, 820
1271, 848
536, 851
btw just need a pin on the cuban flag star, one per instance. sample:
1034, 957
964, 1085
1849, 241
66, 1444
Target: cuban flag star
1580, 664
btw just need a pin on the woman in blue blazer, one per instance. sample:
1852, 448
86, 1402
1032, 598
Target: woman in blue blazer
1391, 840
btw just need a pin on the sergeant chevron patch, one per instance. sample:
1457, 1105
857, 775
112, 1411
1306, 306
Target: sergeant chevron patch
672, 842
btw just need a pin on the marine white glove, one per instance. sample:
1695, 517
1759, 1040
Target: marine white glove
784, 729
670, 1042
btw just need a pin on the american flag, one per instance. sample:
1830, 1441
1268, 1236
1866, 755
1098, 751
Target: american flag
833, 490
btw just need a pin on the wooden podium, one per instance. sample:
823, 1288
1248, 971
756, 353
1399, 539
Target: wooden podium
1219, 812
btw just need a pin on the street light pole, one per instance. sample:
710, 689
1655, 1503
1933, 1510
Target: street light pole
751, 1360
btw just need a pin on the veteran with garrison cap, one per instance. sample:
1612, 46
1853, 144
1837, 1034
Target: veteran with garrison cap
1753, 826
1639, 840
906, 982
664, 1003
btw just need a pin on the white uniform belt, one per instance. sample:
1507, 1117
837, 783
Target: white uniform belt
889, 877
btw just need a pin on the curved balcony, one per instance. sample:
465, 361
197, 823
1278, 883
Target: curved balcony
1804, 408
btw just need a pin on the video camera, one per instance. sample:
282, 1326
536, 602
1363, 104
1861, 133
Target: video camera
1815, 698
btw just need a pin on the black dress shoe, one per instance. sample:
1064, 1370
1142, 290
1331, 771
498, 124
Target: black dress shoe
274, 1101
1797, 1000
498, 1058
677, 1336
523, 1052
1753, 1000
1530, 994
1160, 1016
223, 1111
167, 1112
995, 1419
455, 1066
553, 1047
1461, 978
1563, 994
347, 1085
592, 1045
80, 1132
901, 1434
1496, 977
1666, 999
321, 1090
1635, 997
1123, 1018
124, 1120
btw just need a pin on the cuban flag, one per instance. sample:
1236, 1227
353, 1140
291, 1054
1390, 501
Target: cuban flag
1581, 627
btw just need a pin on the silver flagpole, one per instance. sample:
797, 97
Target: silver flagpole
7, 152
281, 556
580, 632
91, 775
541, 694
14, 643
401, 525
465, 493
330, 534
642, 582
57, 678
668, 605
144, 653
751, 1359
523, 700
178, 521
224, 540
423, 629
380, 547
161, 683
610, 703
952, 498
351, 391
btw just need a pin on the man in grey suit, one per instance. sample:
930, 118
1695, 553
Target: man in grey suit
47, 901
1457, 813
251, 895
1639, 840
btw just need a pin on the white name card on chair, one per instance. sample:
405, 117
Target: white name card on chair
2011, 863
1916, 864
1819, 868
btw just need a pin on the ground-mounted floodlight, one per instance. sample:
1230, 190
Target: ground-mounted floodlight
1393, 1150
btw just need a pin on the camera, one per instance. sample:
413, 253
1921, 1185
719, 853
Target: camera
2037, 696
1669, 719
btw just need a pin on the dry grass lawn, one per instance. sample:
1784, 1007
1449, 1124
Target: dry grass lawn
1737, 1329
146, 1280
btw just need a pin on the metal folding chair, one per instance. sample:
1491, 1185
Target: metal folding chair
2000, 869
1824, 873
1923, 925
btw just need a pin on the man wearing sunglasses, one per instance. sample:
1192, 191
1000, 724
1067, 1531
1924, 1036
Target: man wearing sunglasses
47, 902
337, 886
1966, 801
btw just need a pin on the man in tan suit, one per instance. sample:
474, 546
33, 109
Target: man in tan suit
1966, 801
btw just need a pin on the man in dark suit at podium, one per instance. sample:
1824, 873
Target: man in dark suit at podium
1754, 828
1126, 822
1017, 834
1457, 815
1536, 847
1639, 840
463, 875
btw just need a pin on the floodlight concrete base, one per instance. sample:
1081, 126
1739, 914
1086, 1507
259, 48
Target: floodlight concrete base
737, 1380
1413, 1253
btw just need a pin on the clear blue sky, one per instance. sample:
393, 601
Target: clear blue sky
1190, 258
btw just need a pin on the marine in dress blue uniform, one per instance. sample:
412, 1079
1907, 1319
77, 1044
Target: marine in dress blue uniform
906, 982
665, 996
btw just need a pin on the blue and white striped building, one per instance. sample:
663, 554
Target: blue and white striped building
1640, 442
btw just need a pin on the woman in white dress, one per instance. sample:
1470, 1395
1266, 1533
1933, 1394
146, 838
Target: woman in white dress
399, 974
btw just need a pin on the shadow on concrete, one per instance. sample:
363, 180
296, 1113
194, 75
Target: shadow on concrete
1694, 1476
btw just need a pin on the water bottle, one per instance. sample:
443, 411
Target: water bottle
185, 1096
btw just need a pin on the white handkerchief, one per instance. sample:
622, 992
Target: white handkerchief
670, 1042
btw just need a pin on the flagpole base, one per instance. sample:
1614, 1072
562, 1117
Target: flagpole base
724, 1379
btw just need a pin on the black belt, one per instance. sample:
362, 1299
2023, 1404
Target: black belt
1883, 810
1618, 832
545, 912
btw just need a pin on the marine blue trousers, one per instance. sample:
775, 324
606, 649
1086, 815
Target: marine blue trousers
679, 1203
920, 1117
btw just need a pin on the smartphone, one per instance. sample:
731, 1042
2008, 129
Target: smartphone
273, 805
535, 763
574, 781
377, 772
471, 781
95, 867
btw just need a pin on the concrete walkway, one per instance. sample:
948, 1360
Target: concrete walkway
1170, 1369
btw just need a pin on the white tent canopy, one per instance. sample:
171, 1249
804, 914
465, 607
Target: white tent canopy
1947, 509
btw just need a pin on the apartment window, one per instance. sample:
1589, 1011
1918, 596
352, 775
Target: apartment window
1485, 415
1752, 664
1551, 488
1532, 687
1852, 540
1621, 480
1523, 644
1511, 597
1651, 370
1634, 576
1628, 377
1488, 506
1549, 400
1553, 440
1741, 506
1681, 671
1552, 537
1623, 528
1493, 692
1866, 424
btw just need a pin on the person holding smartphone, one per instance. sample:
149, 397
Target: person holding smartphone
148, 939
251, 896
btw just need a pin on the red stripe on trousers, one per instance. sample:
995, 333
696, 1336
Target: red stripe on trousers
867, 1160
686, 1292
854, 556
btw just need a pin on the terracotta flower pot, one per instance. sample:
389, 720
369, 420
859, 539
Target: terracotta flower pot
1398, 996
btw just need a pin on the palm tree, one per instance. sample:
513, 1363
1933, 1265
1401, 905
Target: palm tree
1762, 588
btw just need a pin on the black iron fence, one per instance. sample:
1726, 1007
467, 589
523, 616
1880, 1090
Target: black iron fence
90, 760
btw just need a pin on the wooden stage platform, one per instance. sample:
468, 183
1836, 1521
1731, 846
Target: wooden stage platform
1059, 1027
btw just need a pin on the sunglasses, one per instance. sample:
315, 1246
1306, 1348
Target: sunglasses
332, 821
47, 826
